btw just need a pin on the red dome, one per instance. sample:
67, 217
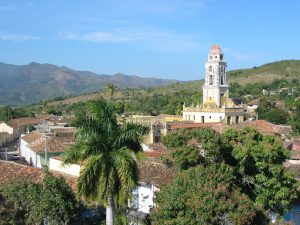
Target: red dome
215, 49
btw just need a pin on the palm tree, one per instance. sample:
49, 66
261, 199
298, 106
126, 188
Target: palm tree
108, 152
110, 88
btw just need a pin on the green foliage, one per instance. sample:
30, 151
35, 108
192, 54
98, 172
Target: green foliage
257, 161
53, 201
188, 146
268, 111
260, 169
169, 103
54, 112
110, 90
295, 118
9, 213
8, 113
205, 195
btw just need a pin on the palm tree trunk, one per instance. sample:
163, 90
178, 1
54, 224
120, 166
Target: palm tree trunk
110, 211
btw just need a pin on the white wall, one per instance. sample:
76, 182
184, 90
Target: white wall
143, 198
209, 117
5, 128
56, 165
30, 156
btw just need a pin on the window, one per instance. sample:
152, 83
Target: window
210, 79
210, 69
221, 57
222, 80
216, 57
209, 117
194, 117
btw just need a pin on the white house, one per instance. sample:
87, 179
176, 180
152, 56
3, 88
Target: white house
28, 154
37, 149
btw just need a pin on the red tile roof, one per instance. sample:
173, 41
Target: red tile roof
11, 172
191, 125
296, 144
155, 172
262, 126
154, 154
23, 121
54, 144
32, 136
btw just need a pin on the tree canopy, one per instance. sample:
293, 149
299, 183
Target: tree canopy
53, 201
206, 195
257, 162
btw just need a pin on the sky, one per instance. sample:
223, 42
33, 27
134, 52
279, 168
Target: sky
167, 39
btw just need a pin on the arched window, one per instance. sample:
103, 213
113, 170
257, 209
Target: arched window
222, 79
210, 69
210, 79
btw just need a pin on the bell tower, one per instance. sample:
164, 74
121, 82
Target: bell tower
215, 88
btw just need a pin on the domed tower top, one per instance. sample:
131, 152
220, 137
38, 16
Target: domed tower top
215, 53
215, 49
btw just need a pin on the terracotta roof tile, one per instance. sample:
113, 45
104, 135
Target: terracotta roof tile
190, 125
32, 136
154, 154
296, 144
262, 126
54, 144
11, 172
155, 172
23, 121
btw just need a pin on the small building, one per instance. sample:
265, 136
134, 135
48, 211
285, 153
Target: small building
37, 148
157, 125
14, 128
216, 105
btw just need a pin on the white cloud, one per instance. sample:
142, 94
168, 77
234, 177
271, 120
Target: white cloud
97, 36
18, 37
13, 6
6, 8
145, 37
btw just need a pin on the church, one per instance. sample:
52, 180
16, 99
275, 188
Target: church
216, 106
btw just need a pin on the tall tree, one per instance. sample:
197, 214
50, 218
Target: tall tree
108, 150
206, 195
110, 90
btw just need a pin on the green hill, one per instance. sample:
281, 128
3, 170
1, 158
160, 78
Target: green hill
286, 69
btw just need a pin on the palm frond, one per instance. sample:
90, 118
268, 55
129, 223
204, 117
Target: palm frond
88, 181
104, 113
124, 162
130, 136
73, 154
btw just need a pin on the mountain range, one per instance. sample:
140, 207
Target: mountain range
25, 84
